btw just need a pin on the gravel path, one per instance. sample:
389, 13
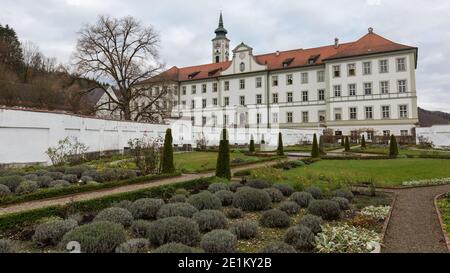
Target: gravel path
37, 204
414, 224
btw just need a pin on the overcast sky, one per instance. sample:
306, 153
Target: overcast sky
187, 27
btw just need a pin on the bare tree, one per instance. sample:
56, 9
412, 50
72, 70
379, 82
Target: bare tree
8, 86
123, 52
32, 60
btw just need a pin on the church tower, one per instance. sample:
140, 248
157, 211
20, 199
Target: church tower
221, 44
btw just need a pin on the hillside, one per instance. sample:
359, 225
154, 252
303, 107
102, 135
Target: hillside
429, 118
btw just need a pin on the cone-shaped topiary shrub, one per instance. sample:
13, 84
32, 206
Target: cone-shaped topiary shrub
174, 230
280, 150
278, 247
244, 229
347, 144
252, 145
219, 241
205, 200
363, 142
250, 199
393, 147
315, 153
167, 157
223, 159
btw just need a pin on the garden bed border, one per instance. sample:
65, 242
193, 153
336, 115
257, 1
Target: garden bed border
441, 222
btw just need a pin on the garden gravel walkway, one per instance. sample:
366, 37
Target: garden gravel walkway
414, 224
37, 204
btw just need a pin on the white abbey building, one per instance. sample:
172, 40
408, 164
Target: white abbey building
365, 86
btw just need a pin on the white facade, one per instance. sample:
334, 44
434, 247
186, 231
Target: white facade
439, 135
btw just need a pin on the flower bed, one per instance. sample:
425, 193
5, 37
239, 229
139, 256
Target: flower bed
427, 182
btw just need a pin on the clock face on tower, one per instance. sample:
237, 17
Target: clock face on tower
217, 45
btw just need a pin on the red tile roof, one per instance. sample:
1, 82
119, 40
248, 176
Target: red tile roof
370, 43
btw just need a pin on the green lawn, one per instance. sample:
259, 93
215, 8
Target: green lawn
382, 172
308, 148
409, 152
202, 161
444, 208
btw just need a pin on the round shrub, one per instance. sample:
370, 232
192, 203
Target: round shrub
124, 204
30, 176
59, 184
234, 213
96, 237
327, 209
41, 172
244, 229
234, 186
275, 219
4, 191
274, 194
176, 248
301, 198
176, 209
139, 228
250, 199
56, 175
278, 247
257, 184
290, 207
12, 182
210, 219
134, 246
146, 208
86, 179
28, 186
123, 174
91, 173
300, 237
174, 230
107, 175
50, 233
182, 192
71, 178
7, 246
344, 204
115, 215
178, 198
219, 241
205, 200
312, 222
285, 189
76, 170
44, 181
215, 187
315, 192
225, 196
344, 194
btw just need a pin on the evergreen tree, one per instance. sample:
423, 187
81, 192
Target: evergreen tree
167, 160
321, 146
280, 150
315, 148
363, 142
252, 144
10, 50
223, 159
347, 144
393, 147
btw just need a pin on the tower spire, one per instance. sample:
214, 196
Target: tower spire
221, 31
221, 44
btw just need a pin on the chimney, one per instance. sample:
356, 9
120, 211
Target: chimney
336, 42
370, 30
277, 53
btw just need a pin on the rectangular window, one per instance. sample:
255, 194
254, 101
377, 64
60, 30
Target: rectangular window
401, 64
259, 99
320, 76
183, 103
304, 95
203, 88
404, 132
304, 77
337, 90
274, 117
403, 111
184, 90
336, 71
384, 68
226, 86
337, 114
258, 83
225, 119
351, 70
215, 87
369, 112
353, 113
289, 117
214, 120
367, 68
384, 87
305, 117
322, 116
241, 84
193, 104
386, 133
258, 118
194, 89
402, 86
242, 100
227, 101
203, 121
289, 79
274, 80
289, 97
386, 111
352, 89
275, 98
203, 103
215, 101
193, 121
368, 88
321, 94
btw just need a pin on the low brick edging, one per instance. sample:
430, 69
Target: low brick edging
441, 222
387, 220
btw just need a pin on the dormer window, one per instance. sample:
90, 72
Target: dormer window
242, 67
192, 75
287, 62
313, 59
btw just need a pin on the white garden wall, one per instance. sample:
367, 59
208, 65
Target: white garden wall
25, 135
438, 134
